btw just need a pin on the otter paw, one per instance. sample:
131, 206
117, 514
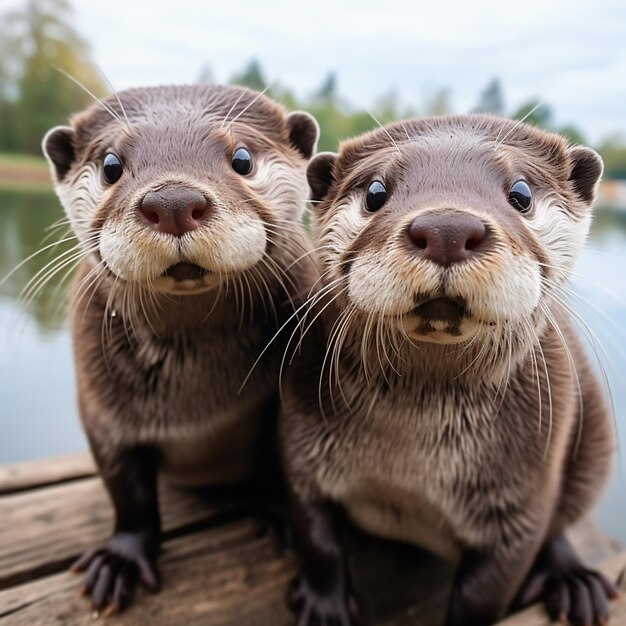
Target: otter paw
579, 597
113, 570
335, 607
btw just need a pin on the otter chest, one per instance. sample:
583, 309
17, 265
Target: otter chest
183, 393
409, 472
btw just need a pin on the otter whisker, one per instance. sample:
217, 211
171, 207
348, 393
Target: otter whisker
61, 284
595, 345
320, 385
103, 104
572, 366
350, 313
114, 92
45, 274
235, 103
337, 332
385, 131
307, 302
515, 126
261, 93
550, 407
597, 285
33, 255
312, 301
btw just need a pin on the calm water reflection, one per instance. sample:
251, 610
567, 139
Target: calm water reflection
38, 416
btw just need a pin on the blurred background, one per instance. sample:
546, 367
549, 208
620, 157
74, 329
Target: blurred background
340, 61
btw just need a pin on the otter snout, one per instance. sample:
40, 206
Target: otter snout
448, 236
174, 210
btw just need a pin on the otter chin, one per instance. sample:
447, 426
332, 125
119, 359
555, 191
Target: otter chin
453, 405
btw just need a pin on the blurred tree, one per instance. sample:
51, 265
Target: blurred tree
437, 103
328, 90
205, 77
252, 77
491, 99
573, 134
535, 113
387, 108
613, 152
338, 120
36, 39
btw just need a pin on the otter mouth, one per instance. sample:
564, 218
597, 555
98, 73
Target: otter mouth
185, 271
441, 309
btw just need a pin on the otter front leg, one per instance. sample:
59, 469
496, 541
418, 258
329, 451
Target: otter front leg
112, 570
322, 593
571, 592
485, 585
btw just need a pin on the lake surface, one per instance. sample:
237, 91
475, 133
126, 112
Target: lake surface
38, 416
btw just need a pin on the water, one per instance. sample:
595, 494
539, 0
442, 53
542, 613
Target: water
38, 416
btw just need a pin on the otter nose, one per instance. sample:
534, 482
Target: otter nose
447, 237
174, 210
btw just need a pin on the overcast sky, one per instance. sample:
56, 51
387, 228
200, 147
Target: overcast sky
569, 54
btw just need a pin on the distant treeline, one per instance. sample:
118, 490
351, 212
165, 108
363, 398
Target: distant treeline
38, 37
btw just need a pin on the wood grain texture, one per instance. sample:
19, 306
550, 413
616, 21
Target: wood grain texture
217, 569
33, 474
44, 530
228, 576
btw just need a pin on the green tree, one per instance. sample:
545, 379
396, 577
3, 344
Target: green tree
328, 90
437, 103
252, 77
613, 152
36, 39
535, 113
573, 134
491, 99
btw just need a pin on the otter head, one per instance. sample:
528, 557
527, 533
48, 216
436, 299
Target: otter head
178, 189
453, 230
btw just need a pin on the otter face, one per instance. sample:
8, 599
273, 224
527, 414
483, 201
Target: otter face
452, 229
178, 189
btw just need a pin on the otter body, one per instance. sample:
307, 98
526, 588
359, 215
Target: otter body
178, 387
186, 203
442, 396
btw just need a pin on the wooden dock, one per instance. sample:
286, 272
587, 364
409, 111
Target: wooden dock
217, 568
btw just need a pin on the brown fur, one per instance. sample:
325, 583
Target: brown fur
478, 445
166, 369
167, 375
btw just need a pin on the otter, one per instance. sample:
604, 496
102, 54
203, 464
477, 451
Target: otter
440, 394
186, 202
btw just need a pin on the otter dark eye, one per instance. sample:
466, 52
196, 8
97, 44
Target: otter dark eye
242, 161
376, 196
112, 168
520, 196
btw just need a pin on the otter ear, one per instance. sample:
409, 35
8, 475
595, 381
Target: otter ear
586, 171
320, 174
304, 131
58, 148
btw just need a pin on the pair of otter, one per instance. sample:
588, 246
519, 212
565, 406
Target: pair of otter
436, 391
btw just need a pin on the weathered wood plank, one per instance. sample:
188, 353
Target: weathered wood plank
226, 576
44, 530
209, 577
32, 474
